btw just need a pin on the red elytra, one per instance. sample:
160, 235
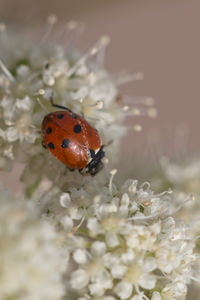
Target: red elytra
73, 141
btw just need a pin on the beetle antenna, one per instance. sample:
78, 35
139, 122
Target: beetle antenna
57, 105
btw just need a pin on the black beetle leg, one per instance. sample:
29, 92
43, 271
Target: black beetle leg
43, 145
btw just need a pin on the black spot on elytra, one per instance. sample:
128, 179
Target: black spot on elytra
65, 143
74, 116
77, 128
60, 116
92, 153
51, 145
48, 130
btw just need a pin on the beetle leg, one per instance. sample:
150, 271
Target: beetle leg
43, 145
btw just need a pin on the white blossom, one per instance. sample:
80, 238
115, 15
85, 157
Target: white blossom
123, 289
74, 80
79, 279
40, 70
128, 255
32, 258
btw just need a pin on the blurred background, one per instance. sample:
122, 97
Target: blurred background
158, 38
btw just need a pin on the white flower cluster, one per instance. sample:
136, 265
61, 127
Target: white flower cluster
184, 176
32, 75
32, 257
123, 243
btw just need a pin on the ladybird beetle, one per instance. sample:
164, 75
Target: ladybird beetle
72, 140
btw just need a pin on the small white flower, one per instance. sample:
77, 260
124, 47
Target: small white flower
156, 296
65, 200
79, 279
98, 248
112, 239
48, 78
67, 223
102, 282
25, 104
11, 134
147, 282
128, 256
75, 213
140, 237
94, 226
123, 289
118, 270
23, 72
80, 256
